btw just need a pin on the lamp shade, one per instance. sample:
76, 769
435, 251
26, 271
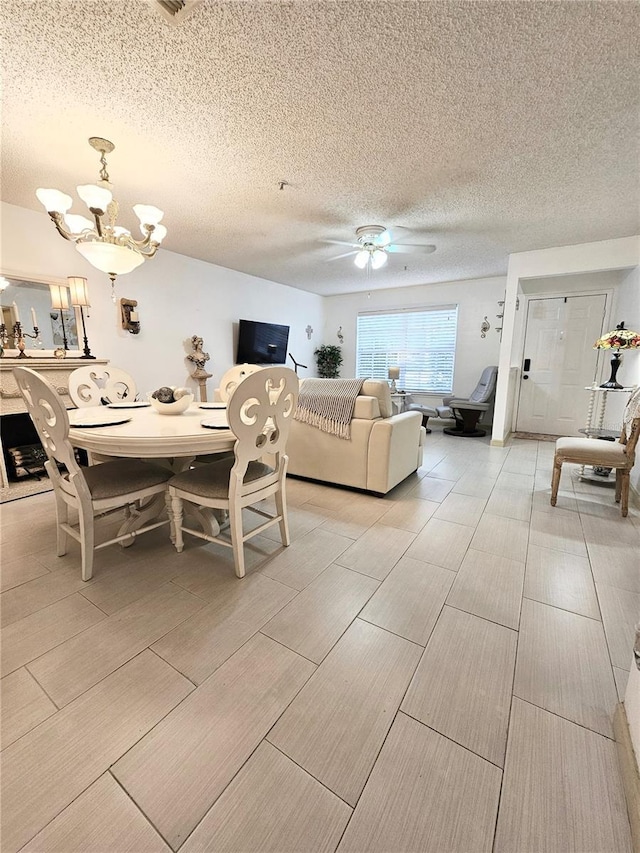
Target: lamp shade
110, 257
54, 200
619, 338
59, 296
95, 197
77, 224
361, 259
78, 291
148, 214
394, 373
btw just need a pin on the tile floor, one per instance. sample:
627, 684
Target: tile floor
432, 671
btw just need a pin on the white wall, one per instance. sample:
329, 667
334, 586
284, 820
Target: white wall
177, 298
475, 298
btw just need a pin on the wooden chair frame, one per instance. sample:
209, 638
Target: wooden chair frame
90, 384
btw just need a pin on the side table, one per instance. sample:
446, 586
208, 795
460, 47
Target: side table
594, 428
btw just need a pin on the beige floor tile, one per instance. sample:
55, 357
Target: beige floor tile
620, 614
314, 622
462, 687
563, 666
490, 587
29, 597
560, 530
615, 565
31, 637
306, 558
50, 766
336, 726
441, 543
24, 705
562, 580
504, 537
561, 789
258, 551
409, 601
566, 500
461, 509
103, 818
519, 464
14, 572
179, 769
509, 480
272, 806
406, 806
621, 677
339, 499
451, 468
409, 514
432, 489
510, 503
377, 551
73, 667
200, 645
354, 518
475, 485
301, 520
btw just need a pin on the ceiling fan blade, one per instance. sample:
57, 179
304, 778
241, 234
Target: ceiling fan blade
411, 249
384, 239
339, 243
345, 255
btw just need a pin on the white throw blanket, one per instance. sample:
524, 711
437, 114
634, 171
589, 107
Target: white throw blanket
328, 404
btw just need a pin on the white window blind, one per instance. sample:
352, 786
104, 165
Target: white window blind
421, 342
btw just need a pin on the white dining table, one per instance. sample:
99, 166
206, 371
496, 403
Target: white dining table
171, 440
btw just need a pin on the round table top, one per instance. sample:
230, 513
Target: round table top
149, 434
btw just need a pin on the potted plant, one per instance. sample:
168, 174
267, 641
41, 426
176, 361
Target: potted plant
328, 359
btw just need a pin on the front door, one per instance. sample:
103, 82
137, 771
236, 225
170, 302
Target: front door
559, 362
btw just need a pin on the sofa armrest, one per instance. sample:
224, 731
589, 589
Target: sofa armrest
394, 446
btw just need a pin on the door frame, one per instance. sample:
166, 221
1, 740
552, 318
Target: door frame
525, 298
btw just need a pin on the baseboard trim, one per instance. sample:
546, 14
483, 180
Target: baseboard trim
629, 771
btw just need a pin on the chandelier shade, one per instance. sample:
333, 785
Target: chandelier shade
108, 247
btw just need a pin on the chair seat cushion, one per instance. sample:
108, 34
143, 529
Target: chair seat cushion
212, 481
122, 476
429, 411
591, 451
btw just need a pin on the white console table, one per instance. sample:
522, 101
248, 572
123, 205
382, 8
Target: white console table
594, 427
55, 370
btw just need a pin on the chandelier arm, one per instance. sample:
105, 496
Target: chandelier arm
57, 220
97, 213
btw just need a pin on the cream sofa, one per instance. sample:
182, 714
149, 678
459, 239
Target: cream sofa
384, 448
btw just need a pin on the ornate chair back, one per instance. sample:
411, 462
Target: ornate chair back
233, 377
89, 385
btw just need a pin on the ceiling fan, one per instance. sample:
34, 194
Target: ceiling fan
373, 245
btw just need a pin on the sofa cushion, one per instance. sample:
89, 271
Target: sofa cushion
367, 408
380, 389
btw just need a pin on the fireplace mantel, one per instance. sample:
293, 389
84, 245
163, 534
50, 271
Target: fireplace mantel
55, 370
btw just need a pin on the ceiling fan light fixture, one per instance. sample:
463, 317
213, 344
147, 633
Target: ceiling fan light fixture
378, 259
361, 259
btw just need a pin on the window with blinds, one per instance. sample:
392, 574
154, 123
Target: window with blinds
421, 342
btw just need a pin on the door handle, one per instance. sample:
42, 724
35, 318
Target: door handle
527, 365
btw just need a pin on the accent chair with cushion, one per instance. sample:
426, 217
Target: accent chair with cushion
97, 490
607, 454
383, 448
466, 411
260, 413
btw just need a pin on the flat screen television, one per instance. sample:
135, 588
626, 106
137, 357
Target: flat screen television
262, 343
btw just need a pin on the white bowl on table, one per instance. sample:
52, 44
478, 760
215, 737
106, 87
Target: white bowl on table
178, 407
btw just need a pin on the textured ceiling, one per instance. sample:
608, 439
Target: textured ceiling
485, 128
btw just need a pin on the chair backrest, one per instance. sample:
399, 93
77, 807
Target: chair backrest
486, 387
89, 385
631, 426
50, 419
233, 377
260, 413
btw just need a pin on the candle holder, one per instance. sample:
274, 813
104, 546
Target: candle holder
19, 338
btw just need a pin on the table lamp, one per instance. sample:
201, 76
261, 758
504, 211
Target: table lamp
619, 338
394, 373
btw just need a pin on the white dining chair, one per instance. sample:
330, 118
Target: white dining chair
259, 412
97, 490
91, 384
233, 377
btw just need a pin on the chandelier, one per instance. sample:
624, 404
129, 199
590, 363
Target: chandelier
107, 246
373, 241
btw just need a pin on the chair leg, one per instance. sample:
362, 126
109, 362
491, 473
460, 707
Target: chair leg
624, 503
62, 517
176, 515
235, 528
87, 540
618, 484
172, 525
555, 482
281, 509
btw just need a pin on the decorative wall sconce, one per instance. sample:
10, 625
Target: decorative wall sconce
130, 318
484, 328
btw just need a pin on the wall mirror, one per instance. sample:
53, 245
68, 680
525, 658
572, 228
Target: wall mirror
24, 298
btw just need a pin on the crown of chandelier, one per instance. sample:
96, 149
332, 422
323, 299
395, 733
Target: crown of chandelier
107, 246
